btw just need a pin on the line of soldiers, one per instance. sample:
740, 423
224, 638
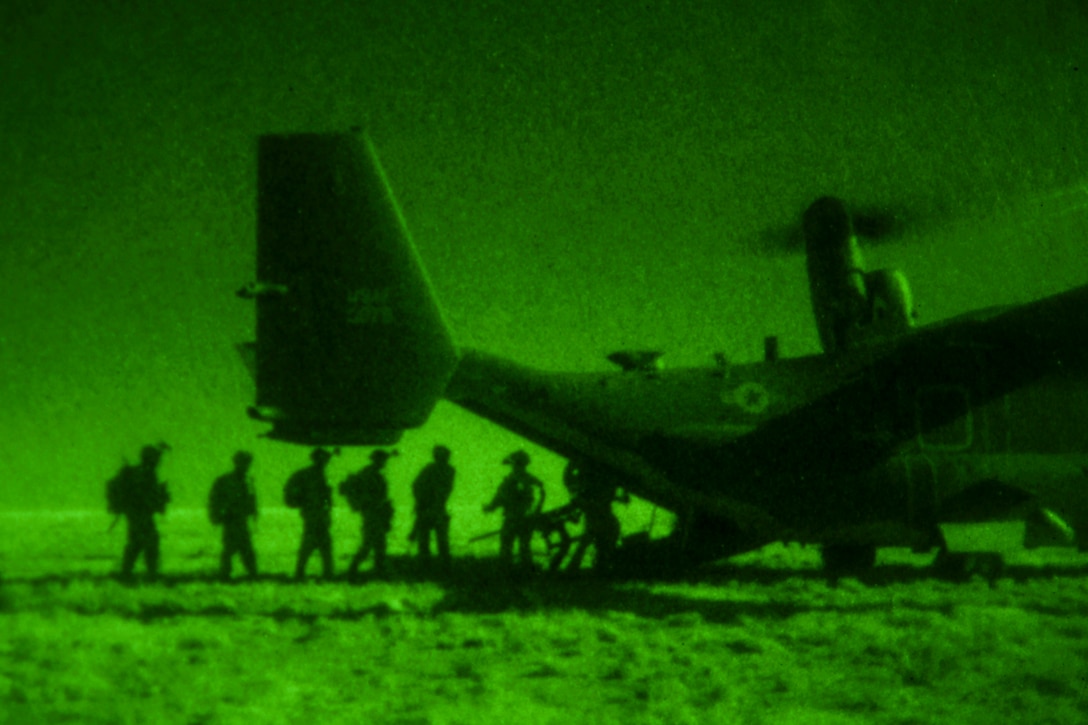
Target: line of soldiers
367, 493
136, 494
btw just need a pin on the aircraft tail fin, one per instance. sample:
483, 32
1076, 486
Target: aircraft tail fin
351, 345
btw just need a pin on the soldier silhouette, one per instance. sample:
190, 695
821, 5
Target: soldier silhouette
431, 490
231, 503
136, 493
308, 491
367, 492
521, 497
593, 490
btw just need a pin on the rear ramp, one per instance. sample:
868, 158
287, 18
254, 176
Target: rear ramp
351, 345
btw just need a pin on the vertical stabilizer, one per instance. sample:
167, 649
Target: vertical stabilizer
351, 345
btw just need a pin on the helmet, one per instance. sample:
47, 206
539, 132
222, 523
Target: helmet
517, 458
380, 455
441, 454
242, 458
320, 455
150, 454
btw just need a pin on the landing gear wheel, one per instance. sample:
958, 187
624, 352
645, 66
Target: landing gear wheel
843, 559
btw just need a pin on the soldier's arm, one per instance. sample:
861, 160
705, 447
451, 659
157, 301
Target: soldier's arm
539, 486
447, 484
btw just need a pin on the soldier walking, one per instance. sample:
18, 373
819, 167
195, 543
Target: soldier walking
231, 503
308, 491
367, 492
521, 497
431, 490
136, 493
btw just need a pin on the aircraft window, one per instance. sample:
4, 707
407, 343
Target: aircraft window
944, 418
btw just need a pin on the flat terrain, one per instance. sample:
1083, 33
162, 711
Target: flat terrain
767, 639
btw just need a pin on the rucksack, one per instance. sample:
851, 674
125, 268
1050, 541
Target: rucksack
352, 490
117, 492
293, 494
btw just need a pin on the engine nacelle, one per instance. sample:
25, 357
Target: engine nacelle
891, 304
851, 306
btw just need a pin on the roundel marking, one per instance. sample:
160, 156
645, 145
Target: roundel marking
751, 397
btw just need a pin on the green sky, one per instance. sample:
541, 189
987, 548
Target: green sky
579, 178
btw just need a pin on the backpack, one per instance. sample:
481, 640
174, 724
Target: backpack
117, 491
352, 490
293, 494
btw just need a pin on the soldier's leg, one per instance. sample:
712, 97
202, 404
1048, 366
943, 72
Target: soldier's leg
226, 554
357, 560
132, 550
525, 546
327, 567
442, 538
249, 556
360, 554
606, 541
380, 544
224, 563
423, 539
561, 550
580, 551
371, 543
137, 544
304, 550
606, 549
151, 552
506, 544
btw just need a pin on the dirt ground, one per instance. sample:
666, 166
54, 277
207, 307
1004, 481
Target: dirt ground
765, 639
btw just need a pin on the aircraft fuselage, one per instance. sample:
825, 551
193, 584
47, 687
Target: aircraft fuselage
891, 439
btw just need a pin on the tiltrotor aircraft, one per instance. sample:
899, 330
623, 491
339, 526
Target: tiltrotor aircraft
895, 435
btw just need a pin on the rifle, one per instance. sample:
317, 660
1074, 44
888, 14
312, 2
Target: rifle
546, 523
488, 535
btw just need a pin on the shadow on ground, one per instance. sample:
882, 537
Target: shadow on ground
721, 593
